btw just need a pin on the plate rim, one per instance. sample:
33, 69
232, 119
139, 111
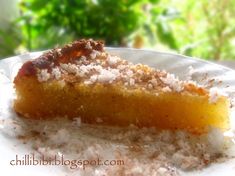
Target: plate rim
176, 55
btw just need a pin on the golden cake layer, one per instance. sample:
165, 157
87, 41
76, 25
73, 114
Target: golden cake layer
82, 80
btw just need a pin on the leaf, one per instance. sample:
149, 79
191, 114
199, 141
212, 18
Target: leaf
165, 34
154, 1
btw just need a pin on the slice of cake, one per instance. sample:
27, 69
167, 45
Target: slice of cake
82, 80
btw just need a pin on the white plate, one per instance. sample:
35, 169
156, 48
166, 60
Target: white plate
177, 64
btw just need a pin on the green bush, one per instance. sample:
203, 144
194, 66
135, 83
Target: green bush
10, 39
203, 29
45, 23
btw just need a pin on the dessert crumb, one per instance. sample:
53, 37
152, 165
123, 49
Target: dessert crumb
144, 151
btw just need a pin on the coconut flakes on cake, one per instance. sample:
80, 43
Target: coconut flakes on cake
101, 67
214, 94
56, 73
43, 75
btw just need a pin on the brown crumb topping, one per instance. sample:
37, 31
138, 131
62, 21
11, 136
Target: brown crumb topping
85, 61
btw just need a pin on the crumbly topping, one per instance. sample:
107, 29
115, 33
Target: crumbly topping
112, 60
106, 69
107, 75
214, 94
86, 62
56, 73
88, 45
166, 89
43, 75
60, 137
172, 82
94, 54
190, 73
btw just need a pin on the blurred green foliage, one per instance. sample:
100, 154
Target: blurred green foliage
205, 29
10, 39
200, 28
45, 23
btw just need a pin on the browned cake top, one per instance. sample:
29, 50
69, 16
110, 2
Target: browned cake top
68, 54
86, 61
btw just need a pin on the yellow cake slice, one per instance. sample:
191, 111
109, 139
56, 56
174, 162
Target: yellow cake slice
82, 80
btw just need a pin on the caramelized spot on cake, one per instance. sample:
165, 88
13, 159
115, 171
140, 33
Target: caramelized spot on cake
192, 87
27, 69
64, 55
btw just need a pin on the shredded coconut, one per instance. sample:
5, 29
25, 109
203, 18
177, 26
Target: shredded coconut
94, 54
191, 71
214, 94
83, 58
140, 72
132, 82
121, 67
150, 86
100, 67
129, 73
43, 75
112, 60
145, 151
107, 76
70, 68
172, 82
88, 45
117, 70
56, 73
154, 82
47, 153
216, 139
93, 79
62, 136
166, 89
84, 69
